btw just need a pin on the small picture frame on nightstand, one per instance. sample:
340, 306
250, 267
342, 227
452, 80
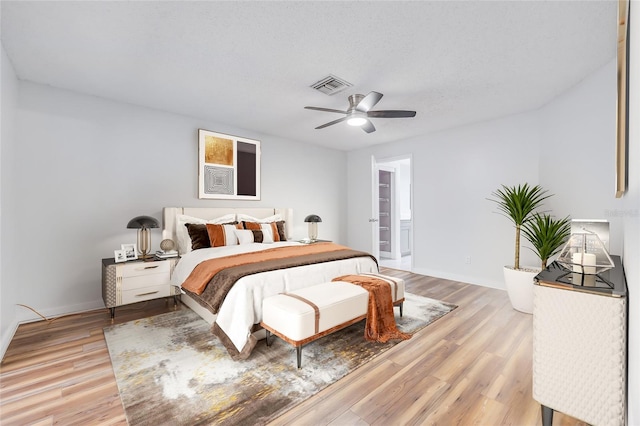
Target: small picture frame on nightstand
119, 256
130, 251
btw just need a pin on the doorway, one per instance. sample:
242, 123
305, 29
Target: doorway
393, 211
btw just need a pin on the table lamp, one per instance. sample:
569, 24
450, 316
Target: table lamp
313, 220
143, 224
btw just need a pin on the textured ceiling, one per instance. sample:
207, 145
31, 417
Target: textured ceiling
250, 64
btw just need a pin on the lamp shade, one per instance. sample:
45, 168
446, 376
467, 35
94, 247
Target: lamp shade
312, 218
143, 222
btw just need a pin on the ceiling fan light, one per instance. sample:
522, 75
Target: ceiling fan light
356, 121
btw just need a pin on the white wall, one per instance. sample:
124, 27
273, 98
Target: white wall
8, 290
84, 166
454, 172
631, 218
577, 158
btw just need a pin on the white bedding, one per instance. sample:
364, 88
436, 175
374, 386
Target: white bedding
242, 307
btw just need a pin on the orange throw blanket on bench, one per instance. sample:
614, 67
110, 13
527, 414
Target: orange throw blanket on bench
381, 323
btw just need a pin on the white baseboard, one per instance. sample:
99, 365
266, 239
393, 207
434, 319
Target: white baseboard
24, 315
460, 278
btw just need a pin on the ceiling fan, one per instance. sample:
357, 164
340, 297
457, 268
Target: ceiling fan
359, 112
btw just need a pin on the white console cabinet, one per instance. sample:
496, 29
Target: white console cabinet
580, 345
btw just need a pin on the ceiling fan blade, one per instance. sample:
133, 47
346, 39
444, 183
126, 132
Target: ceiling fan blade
331, 123
368, 101
368, 127
391, 114
325, 109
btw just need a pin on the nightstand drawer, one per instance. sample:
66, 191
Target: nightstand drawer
141, 281
144, 268
144, 293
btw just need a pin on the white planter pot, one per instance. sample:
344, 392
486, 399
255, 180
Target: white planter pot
520, 287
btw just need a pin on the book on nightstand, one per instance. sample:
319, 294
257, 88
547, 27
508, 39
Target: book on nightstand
166, 254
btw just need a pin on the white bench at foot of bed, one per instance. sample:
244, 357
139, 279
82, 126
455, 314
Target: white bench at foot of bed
305, 315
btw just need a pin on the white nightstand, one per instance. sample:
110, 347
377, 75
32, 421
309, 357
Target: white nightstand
136, 281
308, 241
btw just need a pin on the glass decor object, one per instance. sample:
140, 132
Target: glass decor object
599, 227
313, 220
585, 254
143, 224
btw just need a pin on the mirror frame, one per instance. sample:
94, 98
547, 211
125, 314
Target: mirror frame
622, 142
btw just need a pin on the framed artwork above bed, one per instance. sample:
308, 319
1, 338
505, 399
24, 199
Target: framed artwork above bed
228, 167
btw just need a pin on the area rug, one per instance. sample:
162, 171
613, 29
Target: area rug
170, 369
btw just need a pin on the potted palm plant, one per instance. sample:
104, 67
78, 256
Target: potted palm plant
547, 235
518, 204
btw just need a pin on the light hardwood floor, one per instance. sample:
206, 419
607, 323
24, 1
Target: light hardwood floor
471, 367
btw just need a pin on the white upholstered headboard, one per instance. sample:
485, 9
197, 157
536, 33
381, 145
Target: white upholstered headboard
169, 216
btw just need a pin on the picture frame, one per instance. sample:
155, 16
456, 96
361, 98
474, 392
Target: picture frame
130, 251
228, 167
120, 256
622, 125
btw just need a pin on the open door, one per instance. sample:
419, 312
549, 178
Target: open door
373, 220
391, 212
388, 220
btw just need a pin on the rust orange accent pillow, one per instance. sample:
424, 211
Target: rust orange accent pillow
254, 226
223, 235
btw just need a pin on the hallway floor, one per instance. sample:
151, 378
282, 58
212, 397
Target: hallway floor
403, 264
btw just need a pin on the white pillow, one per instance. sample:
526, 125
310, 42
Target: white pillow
245, 236
269, 219
267, 233
182, 235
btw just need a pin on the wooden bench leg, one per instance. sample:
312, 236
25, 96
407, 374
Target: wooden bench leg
299, 354
267, 338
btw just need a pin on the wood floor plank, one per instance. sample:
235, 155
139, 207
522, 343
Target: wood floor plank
339, 397
471, 367
348, 419
423, 400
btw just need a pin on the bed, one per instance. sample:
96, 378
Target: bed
235, 319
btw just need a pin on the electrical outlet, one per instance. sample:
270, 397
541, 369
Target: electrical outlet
467, 260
